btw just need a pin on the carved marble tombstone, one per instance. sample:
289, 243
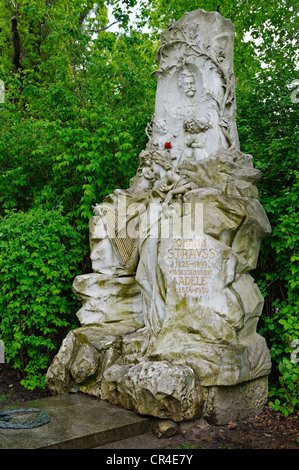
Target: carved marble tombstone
170, 311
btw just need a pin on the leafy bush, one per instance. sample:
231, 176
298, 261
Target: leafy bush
40, 254
282, 333
280, 322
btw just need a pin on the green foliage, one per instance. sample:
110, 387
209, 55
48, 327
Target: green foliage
40, 253
78, 99
72, 127
268, 127
285, 398
75, 139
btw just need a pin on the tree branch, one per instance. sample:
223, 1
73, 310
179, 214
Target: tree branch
83, 15
103, 29
16, 42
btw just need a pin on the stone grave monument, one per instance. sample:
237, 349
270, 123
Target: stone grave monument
169, 314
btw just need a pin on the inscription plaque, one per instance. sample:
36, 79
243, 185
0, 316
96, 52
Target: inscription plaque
191, 263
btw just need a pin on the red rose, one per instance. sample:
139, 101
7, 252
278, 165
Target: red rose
167, 145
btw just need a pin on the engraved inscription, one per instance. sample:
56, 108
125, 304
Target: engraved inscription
191, 264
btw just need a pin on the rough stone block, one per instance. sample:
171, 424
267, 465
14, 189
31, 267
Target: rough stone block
225, 404
158, 389
114, 303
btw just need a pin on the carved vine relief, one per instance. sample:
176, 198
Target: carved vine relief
195, 69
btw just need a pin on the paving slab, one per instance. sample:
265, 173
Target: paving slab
77, 422
142, 441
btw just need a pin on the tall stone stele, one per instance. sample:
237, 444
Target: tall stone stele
169, 314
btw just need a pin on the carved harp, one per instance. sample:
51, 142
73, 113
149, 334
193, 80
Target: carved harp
116, 228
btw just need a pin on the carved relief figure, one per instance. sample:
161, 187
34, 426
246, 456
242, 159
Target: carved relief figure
187, 105
196, 135
159, 134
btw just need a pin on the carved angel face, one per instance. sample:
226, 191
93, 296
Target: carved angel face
195, 126
160, 126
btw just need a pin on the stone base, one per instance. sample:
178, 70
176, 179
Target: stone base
237, 402
166, 391
92, 362
158, 389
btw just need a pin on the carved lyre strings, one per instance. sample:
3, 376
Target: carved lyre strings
116, 228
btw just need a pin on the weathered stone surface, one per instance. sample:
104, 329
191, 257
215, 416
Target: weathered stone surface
58, 377
93, 386
218, 320
113, 303
170, 312
240, 402
158, 389
198, 315
195, 61
164, 428
240, 223
85, 364
77, 422
97, 337
81, 361
232, 173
